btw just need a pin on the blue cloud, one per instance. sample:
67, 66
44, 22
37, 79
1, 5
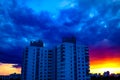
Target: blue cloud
91, 22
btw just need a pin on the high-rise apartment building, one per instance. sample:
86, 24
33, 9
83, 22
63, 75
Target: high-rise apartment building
72, 61
67, 61
38, 62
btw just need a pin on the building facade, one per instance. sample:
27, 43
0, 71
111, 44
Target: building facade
72, 61
37, 62
67, 61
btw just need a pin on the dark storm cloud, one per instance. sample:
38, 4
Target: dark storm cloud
11, 55
91, 22
27, 17
115, 37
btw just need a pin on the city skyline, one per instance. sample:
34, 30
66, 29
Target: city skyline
94, 23
9, 68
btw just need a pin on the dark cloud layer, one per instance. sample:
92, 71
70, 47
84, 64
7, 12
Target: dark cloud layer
92, 22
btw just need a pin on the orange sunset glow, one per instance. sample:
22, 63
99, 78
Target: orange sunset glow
106, 64
6, 69
96, 66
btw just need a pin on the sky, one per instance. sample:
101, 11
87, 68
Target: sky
95, 23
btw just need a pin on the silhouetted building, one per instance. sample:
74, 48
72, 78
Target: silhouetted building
4, 78
69, 39
105, 76
38, 43
67, 61
107, 73
11, 77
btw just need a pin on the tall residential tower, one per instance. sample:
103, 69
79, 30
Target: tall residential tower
72, 60
67, 61
38, 62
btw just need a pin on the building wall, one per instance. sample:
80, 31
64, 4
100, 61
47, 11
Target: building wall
82, 62
29, 65
71, 62
37, 64
65, 64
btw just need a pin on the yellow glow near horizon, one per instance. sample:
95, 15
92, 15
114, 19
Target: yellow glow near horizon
102, 70
109, 64
6, 69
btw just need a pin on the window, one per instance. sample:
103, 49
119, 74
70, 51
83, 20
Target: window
62, 64
87, 72
86, 58
62, 75
82, 61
